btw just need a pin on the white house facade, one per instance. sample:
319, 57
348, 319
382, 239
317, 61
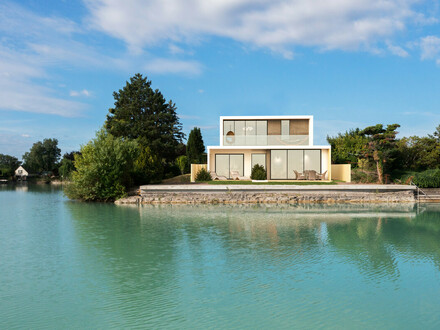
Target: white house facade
282, 144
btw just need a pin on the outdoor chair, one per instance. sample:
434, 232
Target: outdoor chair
214, 176
235, 175
312, 175
321, 176
299, 176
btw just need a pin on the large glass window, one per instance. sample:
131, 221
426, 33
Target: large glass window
251, 132
259, 159
278, 164
224, 164
283, 163
312, 160
295, 160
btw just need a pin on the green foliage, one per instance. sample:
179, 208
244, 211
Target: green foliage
147, 167
381, 147
418, 153
43, 156
182, 163
66, 168
143, 114
8, 165
428, 179
103, 169
195, 147
203, 175
348, 147
363, 176
258, 172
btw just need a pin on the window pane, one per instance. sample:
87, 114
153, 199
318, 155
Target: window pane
236, 163
278, 164
228, 126
295, 162
251, 131
312, 160
285, 129
261, 133
259, 159
222, 165
240, 133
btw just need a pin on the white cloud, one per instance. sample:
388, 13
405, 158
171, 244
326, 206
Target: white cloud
275, 24
430, 48
397, 50
162, 65
84, 92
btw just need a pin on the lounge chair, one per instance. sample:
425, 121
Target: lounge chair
299, 176
214, 176
321, 176
235, 175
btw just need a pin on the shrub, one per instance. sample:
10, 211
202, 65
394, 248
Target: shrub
258, 173
362, 176
428, 179
182, 163
103, 169
203, 175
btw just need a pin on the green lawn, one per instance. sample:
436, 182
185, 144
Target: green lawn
298, 183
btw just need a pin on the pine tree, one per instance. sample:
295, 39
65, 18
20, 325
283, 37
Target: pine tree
195, 146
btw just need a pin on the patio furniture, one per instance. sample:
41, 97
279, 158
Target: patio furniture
321, 176
312, 175
299, 176
235, 175
214, 176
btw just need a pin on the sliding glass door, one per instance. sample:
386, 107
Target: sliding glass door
227, 163
284, 163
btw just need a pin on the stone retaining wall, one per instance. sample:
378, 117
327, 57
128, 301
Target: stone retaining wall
249, 197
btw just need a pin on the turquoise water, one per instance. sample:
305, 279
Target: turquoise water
75, 265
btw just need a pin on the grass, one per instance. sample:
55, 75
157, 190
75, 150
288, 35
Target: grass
229, 182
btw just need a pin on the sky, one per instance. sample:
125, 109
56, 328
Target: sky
349, 63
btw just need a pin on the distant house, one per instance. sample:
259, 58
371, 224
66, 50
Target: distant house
21, 173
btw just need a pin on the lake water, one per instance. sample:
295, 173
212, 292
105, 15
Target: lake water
76, 265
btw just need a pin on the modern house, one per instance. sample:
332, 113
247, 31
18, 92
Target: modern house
282, 144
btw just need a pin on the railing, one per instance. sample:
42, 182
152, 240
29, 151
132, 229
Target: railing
266, 140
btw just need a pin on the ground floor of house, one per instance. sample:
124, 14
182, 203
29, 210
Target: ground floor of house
280, 163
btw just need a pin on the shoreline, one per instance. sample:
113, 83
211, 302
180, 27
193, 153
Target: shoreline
271, 194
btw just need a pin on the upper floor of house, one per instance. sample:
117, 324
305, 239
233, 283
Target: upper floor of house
266, 131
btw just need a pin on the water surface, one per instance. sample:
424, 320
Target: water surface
75, 265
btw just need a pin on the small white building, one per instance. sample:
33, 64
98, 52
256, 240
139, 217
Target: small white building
21, 173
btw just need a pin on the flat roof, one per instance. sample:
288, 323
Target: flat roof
268, 117
268, 147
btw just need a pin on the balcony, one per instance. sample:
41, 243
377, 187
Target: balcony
265, 140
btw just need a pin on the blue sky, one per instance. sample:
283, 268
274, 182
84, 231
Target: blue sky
348, 63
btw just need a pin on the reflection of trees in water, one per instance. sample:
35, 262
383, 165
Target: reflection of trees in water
376, 245
134, 258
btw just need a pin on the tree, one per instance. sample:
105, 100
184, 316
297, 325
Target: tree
103, 169
147, 167
43, 156
182, 162
348, 147
66, 168
143, 114
195, 146
381, 145
8, 164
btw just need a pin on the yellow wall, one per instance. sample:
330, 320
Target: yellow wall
195, 168
341, 172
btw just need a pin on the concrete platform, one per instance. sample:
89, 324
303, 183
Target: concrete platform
196, 188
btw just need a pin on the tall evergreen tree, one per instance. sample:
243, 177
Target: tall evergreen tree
195, 146
143, 114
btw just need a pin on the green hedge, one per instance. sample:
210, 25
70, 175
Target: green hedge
428, 179
203, 175
258, 173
